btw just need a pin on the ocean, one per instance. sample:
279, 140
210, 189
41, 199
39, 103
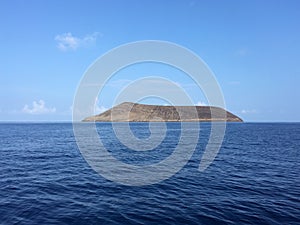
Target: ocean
254, 179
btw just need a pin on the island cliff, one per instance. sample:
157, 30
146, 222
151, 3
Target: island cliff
134, 112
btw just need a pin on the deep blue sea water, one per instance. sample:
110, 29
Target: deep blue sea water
255, 178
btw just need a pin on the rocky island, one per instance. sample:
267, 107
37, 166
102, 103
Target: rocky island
134, 112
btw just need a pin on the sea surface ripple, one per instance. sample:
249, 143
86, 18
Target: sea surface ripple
254, 179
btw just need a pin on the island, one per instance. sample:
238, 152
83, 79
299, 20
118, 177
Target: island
135, 112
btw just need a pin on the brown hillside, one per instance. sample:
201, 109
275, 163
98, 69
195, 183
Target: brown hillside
133, 112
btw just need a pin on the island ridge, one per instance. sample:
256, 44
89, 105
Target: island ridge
134, 112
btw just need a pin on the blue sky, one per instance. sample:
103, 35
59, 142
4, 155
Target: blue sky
253, 48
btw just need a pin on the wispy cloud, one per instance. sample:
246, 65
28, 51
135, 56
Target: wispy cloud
38, 107
200, 103
67, 41
99, 108
249, 111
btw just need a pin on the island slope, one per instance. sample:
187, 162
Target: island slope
134, 112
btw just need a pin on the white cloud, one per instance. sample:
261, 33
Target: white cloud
38, 108
201, 104
67, 41
98, 108
249, 111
